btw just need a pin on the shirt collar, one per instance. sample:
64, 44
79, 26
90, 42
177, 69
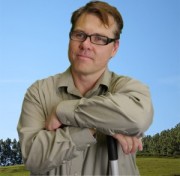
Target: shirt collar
66, 80
105, 79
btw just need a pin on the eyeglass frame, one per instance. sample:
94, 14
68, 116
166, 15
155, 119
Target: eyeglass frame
109, 40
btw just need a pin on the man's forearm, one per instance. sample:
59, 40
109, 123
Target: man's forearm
126, 116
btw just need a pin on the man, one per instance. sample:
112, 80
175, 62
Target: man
65, 118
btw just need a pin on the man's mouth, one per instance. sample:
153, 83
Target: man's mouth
84, 56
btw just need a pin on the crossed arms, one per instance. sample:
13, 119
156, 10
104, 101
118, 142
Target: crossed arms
49, 129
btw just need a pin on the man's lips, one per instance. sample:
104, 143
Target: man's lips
84, 56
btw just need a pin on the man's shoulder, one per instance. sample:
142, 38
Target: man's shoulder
49, 79
119, 78
50, 82
125, 82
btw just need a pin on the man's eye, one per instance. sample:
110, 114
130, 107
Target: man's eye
79, 35
98, 38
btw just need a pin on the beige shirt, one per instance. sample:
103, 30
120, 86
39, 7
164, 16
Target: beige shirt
116, 104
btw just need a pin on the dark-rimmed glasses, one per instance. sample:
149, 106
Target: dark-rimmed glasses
94, 38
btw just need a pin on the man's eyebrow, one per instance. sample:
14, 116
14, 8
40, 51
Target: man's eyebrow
78, 30
98, 34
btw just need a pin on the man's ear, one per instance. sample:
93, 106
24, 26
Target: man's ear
116, 46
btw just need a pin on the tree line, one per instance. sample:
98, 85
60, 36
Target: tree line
165, 144
10, 152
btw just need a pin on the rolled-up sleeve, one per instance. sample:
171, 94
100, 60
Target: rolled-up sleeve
126, 108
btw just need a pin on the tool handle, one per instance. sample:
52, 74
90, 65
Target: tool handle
112, 148
113, 155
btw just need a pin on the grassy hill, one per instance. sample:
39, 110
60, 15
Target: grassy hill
159, 166
147, 167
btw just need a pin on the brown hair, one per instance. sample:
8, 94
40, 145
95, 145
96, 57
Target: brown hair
102, 10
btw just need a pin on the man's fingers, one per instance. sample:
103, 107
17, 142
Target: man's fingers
140, 146
135, 144
129, 144
122, 141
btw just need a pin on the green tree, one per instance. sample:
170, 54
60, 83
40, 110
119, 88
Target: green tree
166, 143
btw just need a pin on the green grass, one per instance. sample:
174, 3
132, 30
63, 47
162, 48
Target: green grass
147, 167
159, 166
18, 170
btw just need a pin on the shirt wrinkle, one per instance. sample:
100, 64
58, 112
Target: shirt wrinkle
88, 154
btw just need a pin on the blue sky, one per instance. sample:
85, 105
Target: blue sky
34, 42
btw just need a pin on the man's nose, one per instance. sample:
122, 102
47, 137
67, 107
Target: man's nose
86, 43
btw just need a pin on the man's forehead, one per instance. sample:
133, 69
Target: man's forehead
90, 23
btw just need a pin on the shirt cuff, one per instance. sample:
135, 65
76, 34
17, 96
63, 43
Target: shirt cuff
65, 112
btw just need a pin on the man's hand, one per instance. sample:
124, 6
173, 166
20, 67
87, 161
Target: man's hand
129, 144
52, 122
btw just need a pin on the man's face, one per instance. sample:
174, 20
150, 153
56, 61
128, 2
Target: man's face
87, 58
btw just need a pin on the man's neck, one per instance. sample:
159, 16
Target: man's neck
84, 83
